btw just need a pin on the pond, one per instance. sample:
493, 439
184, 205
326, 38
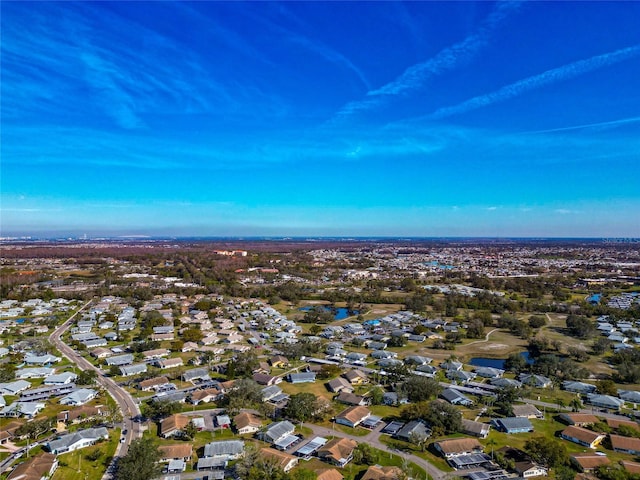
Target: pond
339, 313
496, 362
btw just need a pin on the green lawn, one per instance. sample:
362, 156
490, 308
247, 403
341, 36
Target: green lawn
78, 465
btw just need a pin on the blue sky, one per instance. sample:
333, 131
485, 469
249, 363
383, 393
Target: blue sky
327, 118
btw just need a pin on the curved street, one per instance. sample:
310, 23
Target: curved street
126, 403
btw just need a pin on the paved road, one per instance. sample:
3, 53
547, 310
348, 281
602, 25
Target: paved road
125, 401
373, 439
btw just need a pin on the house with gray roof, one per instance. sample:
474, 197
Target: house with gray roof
277, 431
34, 372
135, 369
414, 430
489, 372
77, 440
61, 378
227, 449
513, 424
27, 409
119, 360
79, 397
578, 387
196, 374
631, 396
303, 377
538, 381
45, 359
454, 397
417, 360
605, 401
14, 388
505, 383
460, 376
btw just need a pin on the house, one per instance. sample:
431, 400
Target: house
157, 353
229, 449
631, 396
617, 423
376, 472
173, 425
588, 462
631, 467
458, 446
134, 369
181, 451
27, 409
31, 359
477, 429
278, 431
152, 383
246, 423
578, 419
36, 468
451, 365
205, 396
578, 387
526, 411
165, 363
417, 360
582, 436
329, 474
101, 353
489, 372
223, 421
338, 451
196, 374
353, 416
61, 378
523, 465
454, 397
34, 372
350, 398
625, 444
537, 381
339, 384
413, 431
606, 402
356, 377
284, 460
120, 360
266, 379
505, 383
460, 376
80, 414
79, 397
278, 361
77, 440
513, 424
304, 377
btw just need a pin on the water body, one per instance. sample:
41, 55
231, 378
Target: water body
496, 362
339, 313
594, 299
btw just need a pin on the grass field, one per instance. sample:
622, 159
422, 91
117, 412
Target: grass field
79, 465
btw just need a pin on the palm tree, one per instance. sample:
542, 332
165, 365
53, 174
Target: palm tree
492, 442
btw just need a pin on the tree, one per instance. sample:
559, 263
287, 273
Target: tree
537, 321
443, 417
156, 410
547, 451
580, 326
140, 462
87, 377
244, 394
189, 431
192, 335
504, 401
475, 329
329, 371
254, 466
301, 406
364, 454
34, 429
376, 395
417, 388
7, 372
606, 387
242, 365
515, 363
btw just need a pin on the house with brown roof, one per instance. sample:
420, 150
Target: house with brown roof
458, 446
156, 353
523, 465
526, 411
350, 398
173, 425
578, 419
338, 451
356, 377
279, 361
329, 474
376, 472
339, 385
353, 416
245, 423
616, 423
36, 468
169, 363
80, 414
266, 379
477, 429
582, 436
205, 396
625, 444
180, 451
588, 462
284, 460
631, 467
152, 383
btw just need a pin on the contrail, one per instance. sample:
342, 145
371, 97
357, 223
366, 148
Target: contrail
447, 59
549, 77
622, 121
